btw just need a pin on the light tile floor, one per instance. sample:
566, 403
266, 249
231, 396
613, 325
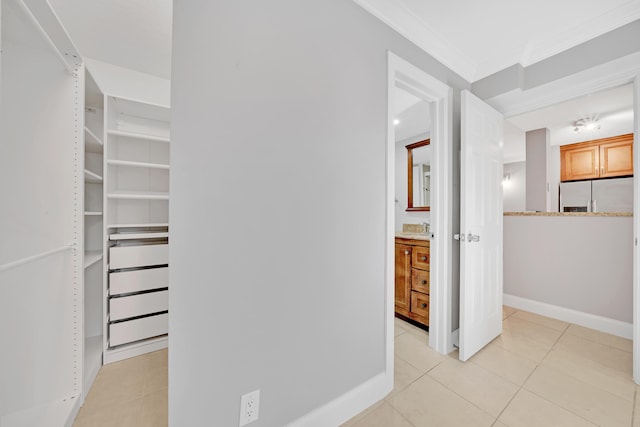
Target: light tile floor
129, 393
539, 372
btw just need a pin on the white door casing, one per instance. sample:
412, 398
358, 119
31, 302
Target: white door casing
480, 225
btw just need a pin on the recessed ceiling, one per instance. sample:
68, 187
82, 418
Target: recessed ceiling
134, 34
478, 38
613, 108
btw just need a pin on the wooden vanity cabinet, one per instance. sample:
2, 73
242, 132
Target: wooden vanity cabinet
601, 158
412, 279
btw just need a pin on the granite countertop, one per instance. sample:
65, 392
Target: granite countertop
414, 236
609, 214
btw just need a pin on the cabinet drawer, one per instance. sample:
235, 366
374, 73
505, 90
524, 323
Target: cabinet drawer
420, 258
138, 256
138, 305
420, 305
138, 329
123, 282
420, 280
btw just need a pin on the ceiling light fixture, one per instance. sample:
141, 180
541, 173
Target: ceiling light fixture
588, 123
396, 122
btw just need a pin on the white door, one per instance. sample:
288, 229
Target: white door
480, 225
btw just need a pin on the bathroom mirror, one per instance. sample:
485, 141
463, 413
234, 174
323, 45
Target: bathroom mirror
419, 176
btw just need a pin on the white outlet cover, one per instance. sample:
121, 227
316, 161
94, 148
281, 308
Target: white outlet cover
249, 407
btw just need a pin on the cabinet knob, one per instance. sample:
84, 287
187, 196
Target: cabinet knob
406, 252
424, 282
423, 305
424, 258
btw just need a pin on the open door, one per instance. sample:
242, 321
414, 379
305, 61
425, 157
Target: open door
480, 225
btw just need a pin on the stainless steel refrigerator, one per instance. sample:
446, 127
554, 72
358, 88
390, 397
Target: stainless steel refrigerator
602, 195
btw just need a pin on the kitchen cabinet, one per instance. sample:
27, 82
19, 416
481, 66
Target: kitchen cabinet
601, 158
412, 278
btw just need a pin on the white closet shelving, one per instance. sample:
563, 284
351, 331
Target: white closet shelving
93, 230
136, 236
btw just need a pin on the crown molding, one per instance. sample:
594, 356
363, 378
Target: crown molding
418, 32
546, 47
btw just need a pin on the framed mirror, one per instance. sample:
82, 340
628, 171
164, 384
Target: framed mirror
419, 176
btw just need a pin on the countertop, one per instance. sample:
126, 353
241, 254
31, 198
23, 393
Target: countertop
609, 214
413, 236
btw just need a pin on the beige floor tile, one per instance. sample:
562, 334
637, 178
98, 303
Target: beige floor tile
159, 359
403, 375
362, 414
156, 379
499, 424
522, 345
558, 325
383, 416
414, 330
110, 389
608, 356
507, 311
154, 410
504, 363
484, 389
584, 400
535, 331
590, 372
414, 349
124, 414
427, 403
636, 409
529, 410
601, 337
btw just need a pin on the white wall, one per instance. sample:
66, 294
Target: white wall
402, 216
278, 275
579, 263
514, 189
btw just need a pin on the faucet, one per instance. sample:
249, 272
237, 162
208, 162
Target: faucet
425, 225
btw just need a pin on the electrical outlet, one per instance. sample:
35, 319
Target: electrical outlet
249, 407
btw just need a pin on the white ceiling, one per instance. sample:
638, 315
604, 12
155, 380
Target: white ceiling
413, 115
134, 34
614, 109
478, 38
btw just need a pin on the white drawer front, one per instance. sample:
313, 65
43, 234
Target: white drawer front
138, 305
139, 329
123, 282
138, 256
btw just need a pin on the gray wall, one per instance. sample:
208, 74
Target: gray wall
278, 204
581, 263
536, 183
514, 190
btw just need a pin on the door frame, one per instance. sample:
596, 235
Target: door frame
615, 73
404, 75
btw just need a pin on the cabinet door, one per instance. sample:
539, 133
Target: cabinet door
403, 276
616, 158
579, 163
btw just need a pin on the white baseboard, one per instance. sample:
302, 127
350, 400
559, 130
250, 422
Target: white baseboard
345, 407
599, 323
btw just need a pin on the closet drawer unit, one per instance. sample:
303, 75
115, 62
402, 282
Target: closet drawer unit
420, 305
420, 258
138, 256
124, 282
420, 280
138, 305
138, 329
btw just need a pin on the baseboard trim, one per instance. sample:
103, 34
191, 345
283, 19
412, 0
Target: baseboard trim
599, 323
345, 407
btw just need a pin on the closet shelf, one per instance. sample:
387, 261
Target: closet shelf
93, 144
91, 257
92, 213
92, 178
143, 235
138, 135
137, 164
139, 195
139, 225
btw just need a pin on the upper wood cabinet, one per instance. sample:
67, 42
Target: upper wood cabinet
601, 158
